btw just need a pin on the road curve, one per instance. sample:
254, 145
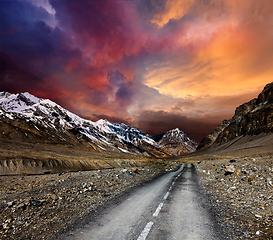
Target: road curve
168, 208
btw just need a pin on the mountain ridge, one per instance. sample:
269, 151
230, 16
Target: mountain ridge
251, 118
45, 119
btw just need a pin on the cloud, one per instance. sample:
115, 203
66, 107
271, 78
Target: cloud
173, 10
32, 49
12, 73
157, 122
229, 50
144, 63
105, 31
121, 88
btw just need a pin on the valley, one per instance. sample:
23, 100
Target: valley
69, 172
136, 120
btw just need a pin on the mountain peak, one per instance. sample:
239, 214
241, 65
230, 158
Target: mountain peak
176, 141
175, 130
17, 102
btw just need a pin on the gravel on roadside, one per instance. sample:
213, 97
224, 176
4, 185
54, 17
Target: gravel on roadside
240, 193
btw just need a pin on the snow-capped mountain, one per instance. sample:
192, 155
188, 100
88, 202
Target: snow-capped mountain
176, 141
17, 102
28, 118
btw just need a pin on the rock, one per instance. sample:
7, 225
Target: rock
35, 203
21, 206
43, 201
258, 216
135, 170
243, 178
244, 171
232, 188
230, 169
9, 220
268, 179
10, 204
6, 226
254, 169
232, 160
92, 188
250, 178
54, 197
16, 223
127, 172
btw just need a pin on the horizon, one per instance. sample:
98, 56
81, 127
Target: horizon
153, 65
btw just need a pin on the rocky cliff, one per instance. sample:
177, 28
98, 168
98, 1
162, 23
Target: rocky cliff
251, 118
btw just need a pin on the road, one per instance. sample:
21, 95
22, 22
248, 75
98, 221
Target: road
167, 208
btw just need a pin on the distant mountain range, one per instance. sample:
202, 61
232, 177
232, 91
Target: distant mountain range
24, 117
251, 118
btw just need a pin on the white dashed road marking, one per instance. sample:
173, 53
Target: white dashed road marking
149, 225
145, 231
158, 209
166, 195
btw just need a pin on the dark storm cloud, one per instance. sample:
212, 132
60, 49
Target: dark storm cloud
36, 57
11, 74
28, 45
157, 122
76, 57
24, 33
121, 88
94, 20
121, 59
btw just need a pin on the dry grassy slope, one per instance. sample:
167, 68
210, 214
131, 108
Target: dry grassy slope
28, 158
242, 146
24, 149
25, 131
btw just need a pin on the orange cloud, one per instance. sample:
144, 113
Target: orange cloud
191, 58
173, 10
229, 56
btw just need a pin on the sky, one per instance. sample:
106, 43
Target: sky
152, 64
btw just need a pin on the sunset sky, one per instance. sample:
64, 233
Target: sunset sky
152, 64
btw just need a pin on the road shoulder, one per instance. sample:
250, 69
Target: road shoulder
240, 193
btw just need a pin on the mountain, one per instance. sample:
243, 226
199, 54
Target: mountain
251, 118
24, 117
176, 141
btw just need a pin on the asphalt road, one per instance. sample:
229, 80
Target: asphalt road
167, 208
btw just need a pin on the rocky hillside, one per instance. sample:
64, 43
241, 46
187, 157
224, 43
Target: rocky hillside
26, 118
176, 141
251, 118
